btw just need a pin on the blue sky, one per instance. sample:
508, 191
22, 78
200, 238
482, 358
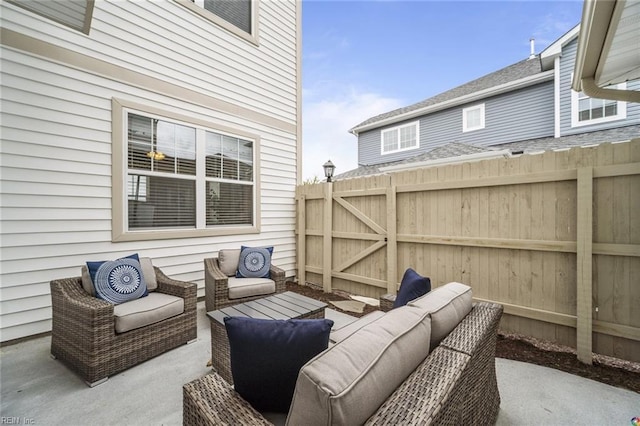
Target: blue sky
362, 58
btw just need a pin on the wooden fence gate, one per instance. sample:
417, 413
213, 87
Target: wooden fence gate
553, 237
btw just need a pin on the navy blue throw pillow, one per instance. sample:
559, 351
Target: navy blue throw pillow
118, 281
413, 285
266, 356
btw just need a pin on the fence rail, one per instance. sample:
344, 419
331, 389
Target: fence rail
554, 237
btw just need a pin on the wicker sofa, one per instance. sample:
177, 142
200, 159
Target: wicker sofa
454, 384
84, 337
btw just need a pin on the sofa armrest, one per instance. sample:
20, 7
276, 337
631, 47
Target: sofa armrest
216, 284
211, 400
435, 391
386, 302
277, 275
182, 289
77, 317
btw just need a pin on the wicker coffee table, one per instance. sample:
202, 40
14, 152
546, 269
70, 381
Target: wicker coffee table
282, 306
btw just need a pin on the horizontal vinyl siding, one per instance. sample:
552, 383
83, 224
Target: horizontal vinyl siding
55, 201
524, 114
567, 63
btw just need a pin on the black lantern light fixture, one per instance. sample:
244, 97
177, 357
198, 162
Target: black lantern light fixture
328, 170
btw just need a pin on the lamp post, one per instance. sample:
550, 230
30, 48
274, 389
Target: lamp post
328, 170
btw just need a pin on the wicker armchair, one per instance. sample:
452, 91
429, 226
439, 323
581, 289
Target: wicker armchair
84, 338
217, 285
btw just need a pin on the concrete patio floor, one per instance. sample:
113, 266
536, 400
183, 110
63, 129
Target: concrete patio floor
36, 389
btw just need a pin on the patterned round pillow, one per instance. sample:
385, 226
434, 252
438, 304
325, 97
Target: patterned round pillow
255, 262
119, 281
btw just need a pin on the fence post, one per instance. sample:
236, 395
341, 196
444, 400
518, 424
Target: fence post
302, 239
584, 259
392, 237
327, 237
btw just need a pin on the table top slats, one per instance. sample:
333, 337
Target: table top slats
283, 306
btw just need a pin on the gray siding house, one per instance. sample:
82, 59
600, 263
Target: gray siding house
527, 106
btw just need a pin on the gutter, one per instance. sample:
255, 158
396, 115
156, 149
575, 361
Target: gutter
448, 160
482, 94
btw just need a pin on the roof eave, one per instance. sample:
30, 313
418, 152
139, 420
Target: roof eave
472, 97
599, 24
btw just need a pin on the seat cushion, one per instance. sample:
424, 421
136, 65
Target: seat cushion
254, 262
448, 305
247, 287
413, 285
228, 261
146, 310
347, 383
266, 356
343, 332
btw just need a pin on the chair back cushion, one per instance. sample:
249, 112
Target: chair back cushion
228, 261
141, 312
348, 382
448, 305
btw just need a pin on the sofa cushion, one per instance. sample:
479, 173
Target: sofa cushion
254, 262
147, 271
118, 281
413, 285
146, 310
448, 305
349, 381
247, 287
343, 332
228, 261
266, 356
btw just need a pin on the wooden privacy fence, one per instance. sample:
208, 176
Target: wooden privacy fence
554, 237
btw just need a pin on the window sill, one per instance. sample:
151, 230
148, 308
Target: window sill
167, 234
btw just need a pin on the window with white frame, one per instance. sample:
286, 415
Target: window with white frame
74, 14
236, 16
586, 110
400, 138
473, 118
182, 176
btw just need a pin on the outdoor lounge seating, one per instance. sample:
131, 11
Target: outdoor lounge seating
85, 332
223, 288
429, 362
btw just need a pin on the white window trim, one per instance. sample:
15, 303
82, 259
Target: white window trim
465, 126
212, 17
120, 231
397, 128
575, 122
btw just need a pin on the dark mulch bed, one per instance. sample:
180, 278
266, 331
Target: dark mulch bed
611, 371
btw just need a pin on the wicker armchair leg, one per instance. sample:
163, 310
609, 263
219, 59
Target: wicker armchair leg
97, 382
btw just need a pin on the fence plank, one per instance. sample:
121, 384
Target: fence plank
584, 263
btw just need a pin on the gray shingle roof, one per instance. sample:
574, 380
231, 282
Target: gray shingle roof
456, 149
517, 71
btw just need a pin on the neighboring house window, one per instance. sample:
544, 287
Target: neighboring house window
586, 110
236, 16
400, 138
473, 118
184, 177
72, 13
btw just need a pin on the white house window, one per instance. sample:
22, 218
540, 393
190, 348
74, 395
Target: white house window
400, 138
237, 16
183, 177
75, 14
586, 110
473, 118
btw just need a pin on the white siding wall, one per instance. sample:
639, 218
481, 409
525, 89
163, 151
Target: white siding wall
56, 138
